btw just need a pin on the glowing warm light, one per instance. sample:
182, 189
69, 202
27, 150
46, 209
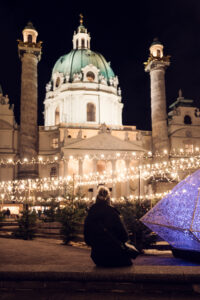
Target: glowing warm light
9, 188
22, 186
46, 186
34, 185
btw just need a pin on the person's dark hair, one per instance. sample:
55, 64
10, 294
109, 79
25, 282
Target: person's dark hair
103, 194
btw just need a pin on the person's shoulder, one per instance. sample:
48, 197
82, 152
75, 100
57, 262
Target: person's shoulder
93, 208
114, 210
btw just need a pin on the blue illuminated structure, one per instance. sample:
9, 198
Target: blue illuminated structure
176, 218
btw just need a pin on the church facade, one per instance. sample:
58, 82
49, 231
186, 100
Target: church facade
83, 135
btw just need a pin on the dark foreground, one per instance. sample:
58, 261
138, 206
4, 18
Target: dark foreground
46, 269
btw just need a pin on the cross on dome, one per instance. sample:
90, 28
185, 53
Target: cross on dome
81, 38
81, 19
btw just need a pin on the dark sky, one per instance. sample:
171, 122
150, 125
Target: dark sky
121, 32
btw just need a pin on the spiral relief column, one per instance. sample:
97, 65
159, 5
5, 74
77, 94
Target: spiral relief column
30, 53
156, 65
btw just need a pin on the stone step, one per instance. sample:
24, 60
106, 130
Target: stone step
107, 285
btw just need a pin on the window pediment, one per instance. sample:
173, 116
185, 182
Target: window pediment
90, 73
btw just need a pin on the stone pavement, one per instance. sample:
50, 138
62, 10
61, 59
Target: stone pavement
46, 266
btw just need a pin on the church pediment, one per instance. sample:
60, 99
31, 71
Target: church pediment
105, 141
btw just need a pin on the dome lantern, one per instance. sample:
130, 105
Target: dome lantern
81, 38
30, 34
156, 48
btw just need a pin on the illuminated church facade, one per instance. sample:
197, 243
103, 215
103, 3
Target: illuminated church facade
83, 132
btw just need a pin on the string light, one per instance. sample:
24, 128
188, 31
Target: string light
60, 199
175, 153
147, 169
167, 170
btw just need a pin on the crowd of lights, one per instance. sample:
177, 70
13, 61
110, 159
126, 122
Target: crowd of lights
167, 170
154, 170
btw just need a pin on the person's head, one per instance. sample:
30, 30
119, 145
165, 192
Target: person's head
103, 194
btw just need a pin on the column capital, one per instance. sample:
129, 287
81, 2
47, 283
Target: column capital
157, 64
29, 48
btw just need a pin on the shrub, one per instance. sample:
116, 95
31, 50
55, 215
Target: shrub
27, 225
51, 211
131, 212
2, 217
71, 217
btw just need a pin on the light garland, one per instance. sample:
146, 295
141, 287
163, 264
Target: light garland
42, 160
167, 170
60, 199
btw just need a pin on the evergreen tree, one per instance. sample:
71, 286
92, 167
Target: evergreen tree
27, 225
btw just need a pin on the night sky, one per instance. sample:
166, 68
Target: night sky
121, 33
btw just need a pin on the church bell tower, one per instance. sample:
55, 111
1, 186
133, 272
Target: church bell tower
156, 65
30, 53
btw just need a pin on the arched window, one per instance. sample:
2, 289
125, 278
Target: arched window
53, 172
82, 43
58, 82
91, 112
158, 52
187, 120
90, 76
29, 38
57, 116
101, 166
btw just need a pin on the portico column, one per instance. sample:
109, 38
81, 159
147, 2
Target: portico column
113, 161
61, 168
66, 165
127, 188
94, 171
80, 167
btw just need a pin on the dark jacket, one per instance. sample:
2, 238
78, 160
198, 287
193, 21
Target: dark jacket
105, 232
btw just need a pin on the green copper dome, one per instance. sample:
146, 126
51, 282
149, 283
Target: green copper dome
77, 59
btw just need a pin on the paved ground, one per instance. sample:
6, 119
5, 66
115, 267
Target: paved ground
48, 254
48, 264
